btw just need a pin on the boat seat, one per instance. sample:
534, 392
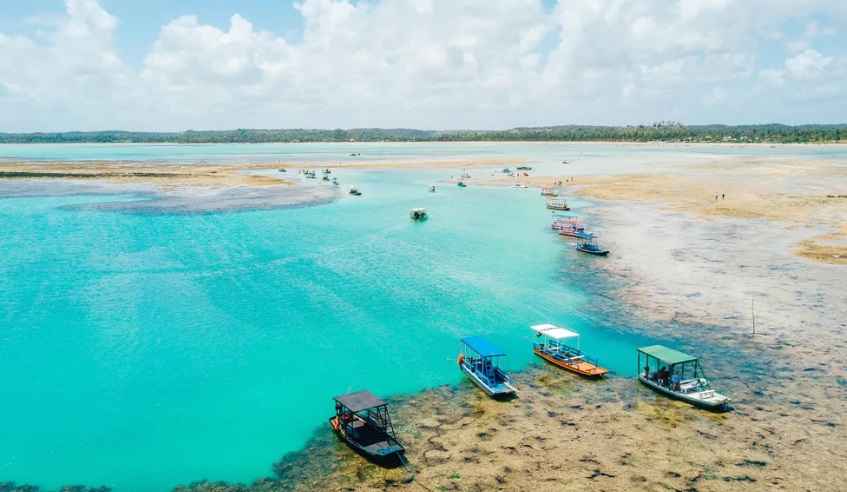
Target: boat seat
576, 357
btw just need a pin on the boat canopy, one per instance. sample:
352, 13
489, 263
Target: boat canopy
417, 210
482, 346
360, 400
554, 332
664, 354
583, 235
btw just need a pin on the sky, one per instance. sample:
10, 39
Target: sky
175, 65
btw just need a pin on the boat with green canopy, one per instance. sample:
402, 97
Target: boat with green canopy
679, 376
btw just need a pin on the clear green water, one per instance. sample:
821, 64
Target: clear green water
140, 351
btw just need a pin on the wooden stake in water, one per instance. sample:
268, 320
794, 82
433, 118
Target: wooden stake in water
753, 313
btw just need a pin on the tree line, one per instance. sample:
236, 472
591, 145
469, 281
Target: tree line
662, 131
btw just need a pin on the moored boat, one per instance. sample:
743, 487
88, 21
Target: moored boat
362, 421
679, 376
587, 243
557, 204
524, 168
548, 192
353, 190
418, 214
462, 185
479, 360
549, 344
432, 188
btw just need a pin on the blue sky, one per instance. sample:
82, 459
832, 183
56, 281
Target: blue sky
169, 64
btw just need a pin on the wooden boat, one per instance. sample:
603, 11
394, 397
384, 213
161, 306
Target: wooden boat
587, 243
362, 421
462, 185
478, 358
549, 345
568, 226
548, 192
557, 204
353, 190
418, 214
679, 376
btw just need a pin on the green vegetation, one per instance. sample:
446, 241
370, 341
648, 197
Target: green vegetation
663, 131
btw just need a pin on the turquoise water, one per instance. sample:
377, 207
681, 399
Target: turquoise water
140, 350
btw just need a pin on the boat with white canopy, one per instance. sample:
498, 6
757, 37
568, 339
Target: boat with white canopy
549, 344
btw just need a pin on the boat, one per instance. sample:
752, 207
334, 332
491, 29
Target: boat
557, 204
678, 375
548, 192
327, 171
478, 358
418, 214
462, 185
282, 170
587, 243
506, 170
466, 176
325, 178
549, 345
432, 188
335, 181
362, 421
353, 190
569, 227
524, 168
520, 185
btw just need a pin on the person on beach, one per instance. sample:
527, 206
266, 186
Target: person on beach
716, 196
723, 196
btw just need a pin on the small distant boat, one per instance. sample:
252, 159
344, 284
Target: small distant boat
478, 358
566, 162
432, 188
568, 227
587, 243
282, 170
353, 155
418, 214
548, 192
466, 176
325, 178
335, 181
679, 376
520, 185
524, 168
506, 170
353, 190
327, 171
462, 185
557, 204
362, 421
550, 346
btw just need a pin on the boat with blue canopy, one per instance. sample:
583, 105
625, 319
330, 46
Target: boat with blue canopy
679, 376
479, 359
549, 344
362, 421
587, 243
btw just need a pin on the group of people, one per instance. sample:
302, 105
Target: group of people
667, 377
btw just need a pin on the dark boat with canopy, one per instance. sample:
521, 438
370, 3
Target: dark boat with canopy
362, 421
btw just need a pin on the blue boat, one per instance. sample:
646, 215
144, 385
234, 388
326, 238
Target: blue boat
479, 359
587, 243
462, 185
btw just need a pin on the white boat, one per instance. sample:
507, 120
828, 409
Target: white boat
548, 192
418, 214
679, 376
432, 188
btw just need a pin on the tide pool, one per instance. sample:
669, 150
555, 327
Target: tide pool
141, 351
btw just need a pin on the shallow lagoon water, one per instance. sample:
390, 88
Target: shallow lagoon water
144, 350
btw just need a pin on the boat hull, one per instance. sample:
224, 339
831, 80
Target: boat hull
716, 404
390, 457
499, 392
582, 368
597, 252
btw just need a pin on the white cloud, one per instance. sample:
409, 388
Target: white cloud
807, 64
425, 64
